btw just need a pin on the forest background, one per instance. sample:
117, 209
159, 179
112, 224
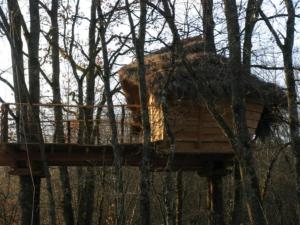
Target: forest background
68, 52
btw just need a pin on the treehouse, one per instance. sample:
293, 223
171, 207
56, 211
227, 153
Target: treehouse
200, 143
189, 119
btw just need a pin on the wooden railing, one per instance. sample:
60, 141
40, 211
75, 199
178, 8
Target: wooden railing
19, 123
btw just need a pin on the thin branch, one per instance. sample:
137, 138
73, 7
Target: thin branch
23, 23
269, 25
71, 45
45, 77
7, 83
4, 25
45, 8
277, 16
159, 10
265, 67
4, 20
9, 110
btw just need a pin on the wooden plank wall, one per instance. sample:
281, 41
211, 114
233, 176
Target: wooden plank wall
156, 121
196, 130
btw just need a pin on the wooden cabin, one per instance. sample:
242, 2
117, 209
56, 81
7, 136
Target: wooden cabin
195, 129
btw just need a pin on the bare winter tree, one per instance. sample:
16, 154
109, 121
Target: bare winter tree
28, 114
105, 20
286, 46
58, 113
21, 95
138, 39
239, 138
85, 191
93, 57
242, 142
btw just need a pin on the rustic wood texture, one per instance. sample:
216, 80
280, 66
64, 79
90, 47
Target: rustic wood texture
91, 155
195, 129
156, 120
198, 138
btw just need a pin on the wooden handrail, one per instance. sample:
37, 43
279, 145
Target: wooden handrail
73, 106
125, 115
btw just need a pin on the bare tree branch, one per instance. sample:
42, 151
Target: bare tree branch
7, 83
265, 67
271, 28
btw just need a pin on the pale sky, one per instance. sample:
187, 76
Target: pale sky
5, 65
5, 59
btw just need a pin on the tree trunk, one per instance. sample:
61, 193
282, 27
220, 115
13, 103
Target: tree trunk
169, 180
145, 164
215, 200
29, 198
80, 171
293, 123
89, 181
169, 196
238, 204
179, 198
118, 157
67, 195
34, 98
208, 26
88, 197
139, 45
287, 51
29, 194
58, 114
252, 10
242, 145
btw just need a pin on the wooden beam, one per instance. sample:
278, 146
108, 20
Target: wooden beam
90, 155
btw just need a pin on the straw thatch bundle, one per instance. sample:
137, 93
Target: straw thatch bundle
166, 74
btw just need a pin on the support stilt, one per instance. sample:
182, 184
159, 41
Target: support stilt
215, 201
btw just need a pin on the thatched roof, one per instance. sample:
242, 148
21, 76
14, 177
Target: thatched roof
164, 73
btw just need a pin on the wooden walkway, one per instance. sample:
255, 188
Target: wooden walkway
16, 156
19, 156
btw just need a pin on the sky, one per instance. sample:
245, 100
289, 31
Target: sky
259, 43
5, 65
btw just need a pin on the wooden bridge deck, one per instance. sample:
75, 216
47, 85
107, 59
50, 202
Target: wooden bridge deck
19, 156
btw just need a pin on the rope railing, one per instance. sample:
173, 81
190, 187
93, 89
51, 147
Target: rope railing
75, 130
